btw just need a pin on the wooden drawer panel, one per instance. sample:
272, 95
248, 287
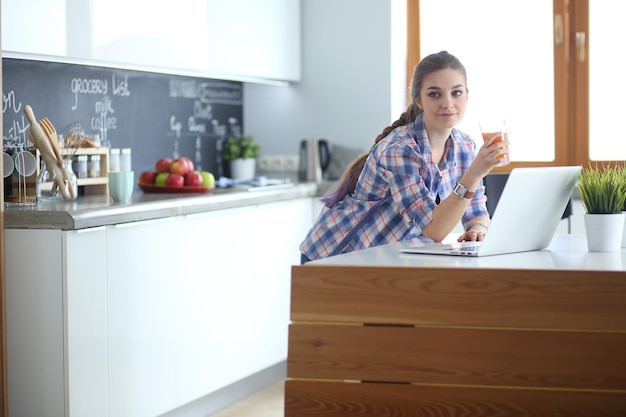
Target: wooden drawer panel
508, 358
328, 399
574, 300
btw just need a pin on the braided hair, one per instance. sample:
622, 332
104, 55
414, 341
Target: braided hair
428, 65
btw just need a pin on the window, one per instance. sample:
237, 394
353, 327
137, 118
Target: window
547, 67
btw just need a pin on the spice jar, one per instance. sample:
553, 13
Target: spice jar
125, 159
114, 159
94, 166
81, 167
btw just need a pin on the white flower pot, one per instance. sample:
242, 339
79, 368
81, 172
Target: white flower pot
242, 168
624, 234
604, 231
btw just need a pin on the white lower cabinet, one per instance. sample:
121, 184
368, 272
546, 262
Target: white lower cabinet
56, 322
140, 318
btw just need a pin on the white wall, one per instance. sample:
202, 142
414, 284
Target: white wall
346, 90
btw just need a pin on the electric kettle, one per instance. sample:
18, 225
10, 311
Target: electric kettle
314, 159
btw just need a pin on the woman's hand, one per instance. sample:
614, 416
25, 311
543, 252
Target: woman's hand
472, 235
476, 230
487, 156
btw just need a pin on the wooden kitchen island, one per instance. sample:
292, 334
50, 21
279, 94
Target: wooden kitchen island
379, 333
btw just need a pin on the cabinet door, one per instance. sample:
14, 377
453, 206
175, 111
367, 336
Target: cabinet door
34, 323
85, 310
146, 276
258, 39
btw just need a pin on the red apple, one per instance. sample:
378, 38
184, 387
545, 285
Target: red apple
188, 162
148, 177
163, 165
180, 166
175, 180
193, 179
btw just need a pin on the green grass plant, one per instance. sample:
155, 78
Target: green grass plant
603, 190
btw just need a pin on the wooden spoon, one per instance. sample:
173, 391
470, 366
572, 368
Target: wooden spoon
39, 138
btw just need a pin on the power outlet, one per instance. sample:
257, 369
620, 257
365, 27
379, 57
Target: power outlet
278, 163
291, 163
264, 163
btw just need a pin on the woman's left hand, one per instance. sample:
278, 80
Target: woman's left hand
472, 235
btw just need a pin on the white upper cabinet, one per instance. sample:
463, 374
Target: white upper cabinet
248, 40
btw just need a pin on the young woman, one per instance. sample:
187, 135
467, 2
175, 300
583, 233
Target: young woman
419, 179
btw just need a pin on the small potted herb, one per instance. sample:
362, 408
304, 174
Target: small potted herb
603, 194
242, 153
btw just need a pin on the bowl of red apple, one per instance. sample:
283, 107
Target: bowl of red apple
176, 176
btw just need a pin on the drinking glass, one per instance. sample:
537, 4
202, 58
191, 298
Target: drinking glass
495, 126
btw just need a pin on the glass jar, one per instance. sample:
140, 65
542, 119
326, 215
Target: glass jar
125, 164
47, 186
114, 159
81, 166
94, 166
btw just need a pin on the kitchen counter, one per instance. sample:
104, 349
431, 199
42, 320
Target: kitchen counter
99, 210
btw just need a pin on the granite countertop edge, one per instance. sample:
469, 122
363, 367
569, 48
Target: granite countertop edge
96, 211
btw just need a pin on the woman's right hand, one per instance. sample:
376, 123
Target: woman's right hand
487, 156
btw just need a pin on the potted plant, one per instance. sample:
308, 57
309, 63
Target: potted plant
603, 194
242, 153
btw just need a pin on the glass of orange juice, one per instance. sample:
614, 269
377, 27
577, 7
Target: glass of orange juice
494, 130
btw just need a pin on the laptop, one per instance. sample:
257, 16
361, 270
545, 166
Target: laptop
525, 219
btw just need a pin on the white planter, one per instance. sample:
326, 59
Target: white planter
624, 234
604, 231
242, 168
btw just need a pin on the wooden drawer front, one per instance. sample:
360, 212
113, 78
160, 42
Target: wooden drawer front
523, 299
480, 357
330, 399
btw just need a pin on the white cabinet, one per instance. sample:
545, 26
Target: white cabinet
198, 302
234, 39
140, 318
85, 309
56, 322
253, 38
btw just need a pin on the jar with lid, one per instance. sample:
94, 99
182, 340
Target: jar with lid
94, 166
114, 159
49, 187
125, 160
81, 167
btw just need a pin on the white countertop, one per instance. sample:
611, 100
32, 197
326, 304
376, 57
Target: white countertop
566, 252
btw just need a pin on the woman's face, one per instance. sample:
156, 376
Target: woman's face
443, 98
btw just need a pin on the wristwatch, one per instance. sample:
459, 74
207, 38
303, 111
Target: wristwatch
462, 191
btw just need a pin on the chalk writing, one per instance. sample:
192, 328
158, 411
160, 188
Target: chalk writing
155, 114
16, 134
87, 86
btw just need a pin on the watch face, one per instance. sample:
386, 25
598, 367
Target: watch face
460, 190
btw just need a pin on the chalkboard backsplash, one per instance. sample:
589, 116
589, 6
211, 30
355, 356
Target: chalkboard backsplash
156, 115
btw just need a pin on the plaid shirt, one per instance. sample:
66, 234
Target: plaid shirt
402, 181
